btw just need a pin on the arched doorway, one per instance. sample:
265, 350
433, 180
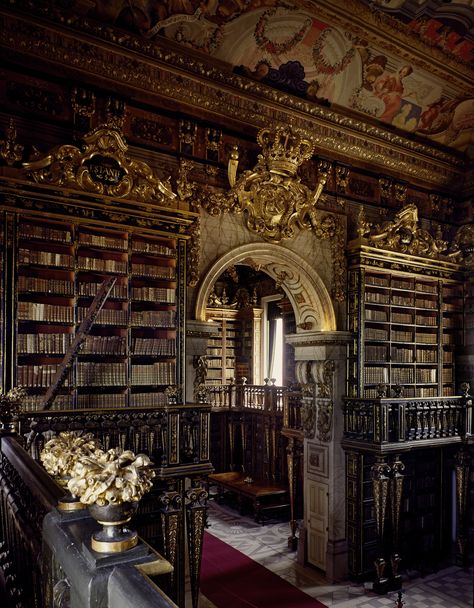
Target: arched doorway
316, 342
303, 286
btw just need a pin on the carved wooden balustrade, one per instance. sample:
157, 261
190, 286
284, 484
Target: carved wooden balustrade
176, 437
27, 493
386, 421
241, 395
382, 438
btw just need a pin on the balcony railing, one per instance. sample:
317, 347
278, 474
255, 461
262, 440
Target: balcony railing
173, 435
266, 397
388, 421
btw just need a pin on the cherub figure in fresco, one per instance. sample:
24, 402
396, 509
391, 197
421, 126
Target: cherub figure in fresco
389, 87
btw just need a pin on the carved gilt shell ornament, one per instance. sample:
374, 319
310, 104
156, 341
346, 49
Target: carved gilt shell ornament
102, 167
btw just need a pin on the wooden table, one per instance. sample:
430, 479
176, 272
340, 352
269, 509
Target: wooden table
264, 497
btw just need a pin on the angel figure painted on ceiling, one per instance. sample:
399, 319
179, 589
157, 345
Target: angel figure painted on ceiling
390, 88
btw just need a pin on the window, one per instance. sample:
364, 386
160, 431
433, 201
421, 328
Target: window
273, 340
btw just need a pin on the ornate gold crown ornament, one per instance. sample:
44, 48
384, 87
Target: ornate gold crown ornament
284, 149
271, 196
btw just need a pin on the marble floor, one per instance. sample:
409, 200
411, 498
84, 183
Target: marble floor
449, 588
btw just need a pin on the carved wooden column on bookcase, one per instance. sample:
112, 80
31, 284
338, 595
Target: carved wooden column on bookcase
387, 488
196, 508
232, 428
462, 468
172, 530
8, 302
380, 489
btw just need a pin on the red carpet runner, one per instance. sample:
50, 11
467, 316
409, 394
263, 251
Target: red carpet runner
230, 579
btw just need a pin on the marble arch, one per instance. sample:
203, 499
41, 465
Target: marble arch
305, 289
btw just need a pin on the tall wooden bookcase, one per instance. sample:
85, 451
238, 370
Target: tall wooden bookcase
405, 309
406, 314
57, 249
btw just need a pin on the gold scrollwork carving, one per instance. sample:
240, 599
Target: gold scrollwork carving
271, 196
464, 241
400, 193
102, 167
342, 175
324, 377
404, 235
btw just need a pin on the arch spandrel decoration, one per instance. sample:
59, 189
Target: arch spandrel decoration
305, 289
101, 166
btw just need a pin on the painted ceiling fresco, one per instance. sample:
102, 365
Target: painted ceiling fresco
296, 48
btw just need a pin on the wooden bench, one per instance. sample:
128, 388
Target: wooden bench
264, 497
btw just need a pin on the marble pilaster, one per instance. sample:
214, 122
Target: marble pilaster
321, 361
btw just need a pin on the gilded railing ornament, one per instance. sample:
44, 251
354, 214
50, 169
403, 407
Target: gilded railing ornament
59, 457
102, 167
10, 407
10, 151
111, 484
403, 234
173, 394
111, 477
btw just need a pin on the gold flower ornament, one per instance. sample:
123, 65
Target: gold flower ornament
61, 453
111, 477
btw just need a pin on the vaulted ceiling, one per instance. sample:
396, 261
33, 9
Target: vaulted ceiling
405, 63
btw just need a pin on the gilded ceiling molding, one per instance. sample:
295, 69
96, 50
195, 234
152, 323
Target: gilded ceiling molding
404, 235
102, 167
228, 95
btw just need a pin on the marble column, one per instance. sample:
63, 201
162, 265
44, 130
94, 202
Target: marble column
321, 369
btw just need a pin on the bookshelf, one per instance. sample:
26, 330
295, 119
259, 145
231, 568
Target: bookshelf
222, 348
407, 325
235, 351
129, 357
249, 359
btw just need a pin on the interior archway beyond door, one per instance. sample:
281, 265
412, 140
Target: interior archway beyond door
305, 289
